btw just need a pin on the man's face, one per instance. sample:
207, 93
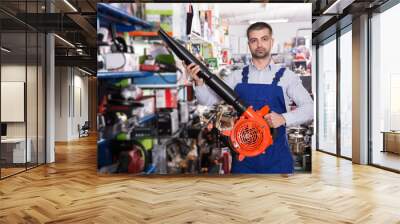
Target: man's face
260, 43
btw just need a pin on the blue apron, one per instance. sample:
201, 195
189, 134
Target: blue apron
277, 158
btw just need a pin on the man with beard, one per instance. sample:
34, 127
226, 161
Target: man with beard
264, 83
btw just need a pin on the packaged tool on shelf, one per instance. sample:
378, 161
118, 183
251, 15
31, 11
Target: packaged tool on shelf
168, 123
120, 62
166, 98
148, 108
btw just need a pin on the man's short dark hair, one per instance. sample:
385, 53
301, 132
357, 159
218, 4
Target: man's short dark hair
259, 26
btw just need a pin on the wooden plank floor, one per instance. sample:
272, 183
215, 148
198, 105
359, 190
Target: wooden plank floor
387, 159
70, 191
10, 171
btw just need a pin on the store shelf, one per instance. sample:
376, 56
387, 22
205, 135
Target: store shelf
157, 79
158, 86
134, 74
147, 118
124, 23
145, 34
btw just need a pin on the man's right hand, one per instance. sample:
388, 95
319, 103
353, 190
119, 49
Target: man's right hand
193, 70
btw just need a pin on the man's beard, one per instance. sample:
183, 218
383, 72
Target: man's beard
260, 54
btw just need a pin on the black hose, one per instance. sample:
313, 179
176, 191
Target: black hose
215, 83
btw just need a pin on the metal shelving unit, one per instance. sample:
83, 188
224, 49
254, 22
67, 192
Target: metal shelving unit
134, 74
158, 86
118, 21
113, 16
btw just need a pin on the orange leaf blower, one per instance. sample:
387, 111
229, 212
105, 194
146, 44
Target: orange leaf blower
250, 135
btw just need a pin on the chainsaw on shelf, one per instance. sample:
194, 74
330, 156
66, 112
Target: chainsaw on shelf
250, 135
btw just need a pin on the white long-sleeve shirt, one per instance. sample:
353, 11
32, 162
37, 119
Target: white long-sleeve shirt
291, 84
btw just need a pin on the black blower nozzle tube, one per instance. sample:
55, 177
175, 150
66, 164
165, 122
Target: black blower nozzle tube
215, 83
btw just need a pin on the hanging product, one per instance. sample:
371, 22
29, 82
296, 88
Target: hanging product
189, 92
251, 134
189, 18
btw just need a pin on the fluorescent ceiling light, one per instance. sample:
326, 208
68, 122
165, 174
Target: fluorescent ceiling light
338, 6
331, 7
5, 49
64, 40
70, 5
285, 20
86, 72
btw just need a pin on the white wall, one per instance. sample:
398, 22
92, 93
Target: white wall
61, 105
71, 87
34, 124
79, 117
16, 73
282, 32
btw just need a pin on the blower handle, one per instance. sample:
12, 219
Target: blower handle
274, 133
213, 81
264, 111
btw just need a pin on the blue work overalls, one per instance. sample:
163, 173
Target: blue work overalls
277, 158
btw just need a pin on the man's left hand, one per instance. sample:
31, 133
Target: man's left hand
275, 120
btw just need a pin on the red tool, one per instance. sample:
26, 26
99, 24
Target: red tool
250, 134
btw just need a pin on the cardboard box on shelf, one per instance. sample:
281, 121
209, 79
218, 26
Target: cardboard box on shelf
148, 106
166, 98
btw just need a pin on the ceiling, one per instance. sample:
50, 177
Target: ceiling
241, 13
79, 27
76, 24
332, 15
16, 42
